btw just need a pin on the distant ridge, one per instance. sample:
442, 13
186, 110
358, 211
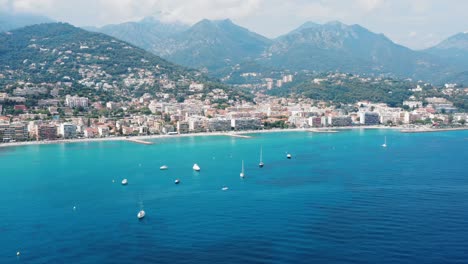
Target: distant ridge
221, 46
18, 20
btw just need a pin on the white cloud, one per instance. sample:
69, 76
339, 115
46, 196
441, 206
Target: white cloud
369, 5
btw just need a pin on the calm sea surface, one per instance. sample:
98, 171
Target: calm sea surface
342, 198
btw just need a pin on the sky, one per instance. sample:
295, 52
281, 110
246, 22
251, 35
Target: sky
416, 24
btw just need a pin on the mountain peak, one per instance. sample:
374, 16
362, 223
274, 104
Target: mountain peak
335, 23
208, 22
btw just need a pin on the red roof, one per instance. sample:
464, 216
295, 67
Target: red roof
21, 107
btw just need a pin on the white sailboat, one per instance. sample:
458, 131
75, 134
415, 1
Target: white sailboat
124, 182
261, 164
196, 167
242, 175
384, 145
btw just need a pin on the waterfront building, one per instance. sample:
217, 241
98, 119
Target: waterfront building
103, 131
340, 121
67, 130
369, 118
15, 131
219, 124
246, 124
167, 129
315, 121
197, 124
90, 132
182, 127
46, 132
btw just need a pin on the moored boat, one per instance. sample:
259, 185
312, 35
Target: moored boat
141, 214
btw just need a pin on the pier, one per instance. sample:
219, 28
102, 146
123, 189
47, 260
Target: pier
237, 135
323, 131
139, 141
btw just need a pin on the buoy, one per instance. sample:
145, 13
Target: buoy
18, 253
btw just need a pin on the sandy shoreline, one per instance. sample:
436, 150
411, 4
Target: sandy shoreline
239, 134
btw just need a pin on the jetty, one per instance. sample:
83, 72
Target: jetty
139, 141
237, 135
323, 131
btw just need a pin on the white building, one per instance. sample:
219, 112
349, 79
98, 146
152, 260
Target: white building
103, 131
75, 101
67, 130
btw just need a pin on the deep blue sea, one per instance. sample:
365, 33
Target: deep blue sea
342, 198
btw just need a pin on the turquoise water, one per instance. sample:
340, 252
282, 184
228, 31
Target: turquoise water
341, 199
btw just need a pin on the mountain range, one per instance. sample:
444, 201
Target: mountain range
206, 44
217, 45
223, 49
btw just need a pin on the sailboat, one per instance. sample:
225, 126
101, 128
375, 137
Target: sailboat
261, 164
196, 167
242, 175
384, 145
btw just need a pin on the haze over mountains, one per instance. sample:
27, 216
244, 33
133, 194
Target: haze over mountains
222, 46
14, 21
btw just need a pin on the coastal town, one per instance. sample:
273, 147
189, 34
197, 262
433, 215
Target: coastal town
75, 117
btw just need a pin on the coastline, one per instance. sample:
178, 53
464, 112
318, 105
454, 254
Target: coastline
432, 130
239, 134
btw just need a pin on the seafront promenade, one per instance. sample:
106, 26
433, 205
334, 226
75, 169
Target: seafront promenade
238, 134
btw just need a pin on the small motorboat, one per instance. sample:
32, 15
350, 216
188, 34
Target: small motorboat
225, 188
242, 174
261, 164
384, 145
196, 167
124, 182
289, 156
163, 167
141, 214
177, 181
